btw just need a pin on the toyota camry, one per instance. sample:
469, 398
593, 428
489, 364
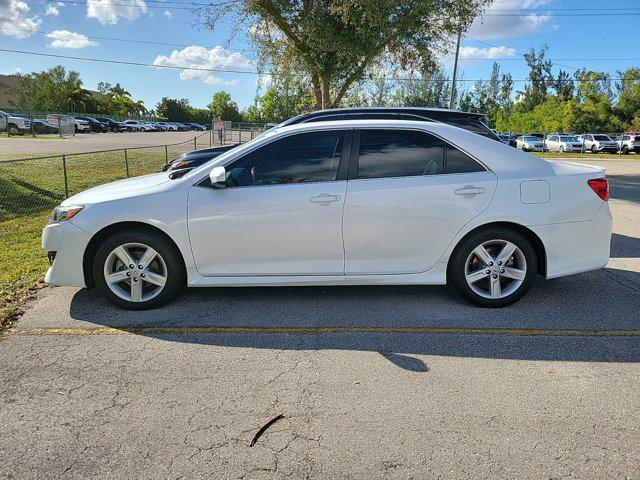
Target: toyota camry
338, 203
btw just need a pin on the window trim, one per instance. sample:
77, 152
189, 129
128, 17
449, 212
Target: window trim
355, 154
343, 163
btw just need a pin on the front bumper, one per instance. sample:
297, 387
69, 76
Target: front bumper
576, 247
65, 244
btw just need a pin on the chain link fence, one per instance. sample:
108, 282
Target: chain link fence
35, 185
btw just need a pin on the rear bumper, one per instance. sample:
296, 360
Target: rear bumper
69, 243
577, 246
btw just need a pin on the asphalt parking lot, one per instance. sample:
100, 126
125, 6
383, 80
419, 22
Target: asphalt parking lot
372, 382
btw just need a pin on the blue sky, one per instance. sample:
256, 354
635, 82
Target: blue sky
69, 27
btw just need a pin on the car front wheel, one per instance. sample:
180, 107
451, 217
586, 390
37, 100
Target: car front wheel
138, 270
493, 268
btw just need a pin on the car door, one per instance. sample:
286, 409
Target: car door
409, 193
553, 143
280, 214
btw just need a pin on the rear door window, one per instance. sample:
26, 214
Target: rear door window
397, 153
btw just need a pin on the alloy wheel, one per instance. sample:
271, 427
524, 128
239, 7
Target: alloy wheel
495, 269
135, 272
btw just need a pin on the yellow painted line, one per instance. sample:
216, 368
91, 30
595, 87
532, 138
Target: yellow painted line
196, 330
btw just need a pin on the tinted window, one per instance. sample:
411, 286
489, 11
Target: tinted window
309, 157
390, 153
460, 162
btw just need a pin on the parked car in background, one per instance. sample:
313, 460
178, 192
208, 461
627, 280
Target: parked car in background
113, 125
168, 126
44, 126
191, 160
628, 142
13, 124
134, 126
325, 203
598, 142
82, 126
529, 143
198, 127
504, 138
96, 125
562, 143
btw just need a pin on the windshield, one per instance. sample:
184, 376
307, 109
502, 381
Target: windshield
532, 139
602, 138
568, 139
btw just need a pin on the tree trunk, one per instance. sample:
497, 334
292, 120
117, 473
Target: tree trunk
326, 94
315, 82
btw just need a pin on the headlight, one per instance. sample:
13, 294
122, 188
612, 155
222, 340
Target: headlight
62, 214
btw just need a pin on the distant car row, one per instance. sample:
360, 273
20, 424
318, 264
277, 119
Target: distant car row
570, 143
103, 125
15, 124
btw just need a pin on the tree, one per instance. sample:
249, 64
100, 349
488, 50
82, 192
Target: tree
336, 42
53, 90
563, 85
223, 108
116, 100
540, 78
174, 110
628, 89
432, 89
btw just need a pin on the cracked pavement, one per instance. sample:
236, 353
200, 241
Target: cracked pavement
356, 405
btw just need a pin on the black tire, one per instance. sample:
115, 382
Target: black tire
13, 129
625, 150
175, 271
457, 263
594, 149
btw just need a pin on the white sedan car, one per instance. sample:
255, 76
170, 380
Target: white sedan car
529, 143
338, 203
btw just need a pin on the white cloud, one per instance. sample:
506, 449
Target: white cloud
16, 70
502, 25
67, 39
14, 21
195, 56
470, 53
108, 11
51, 10
167, 14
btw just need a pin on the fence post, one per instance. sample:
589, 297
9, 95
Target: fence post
33, 133
210, 138
195, 147
582, 147
126, 162
64, 173
166, 155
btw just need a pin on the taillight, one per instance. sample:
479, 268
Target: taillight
601, 187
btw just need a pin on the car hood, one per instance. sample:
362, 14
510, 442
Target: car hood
130, 187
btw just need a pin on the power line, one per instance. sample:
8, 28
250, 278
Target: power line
149, 42
584, 12
94, 37
219, 70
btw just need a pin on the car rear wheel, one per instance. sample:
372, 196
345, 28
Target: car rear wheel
625, 150
594, 149
493, 268
138, 270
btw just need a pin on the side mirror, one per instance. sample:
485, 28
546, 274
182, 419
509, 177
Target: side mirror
218, 177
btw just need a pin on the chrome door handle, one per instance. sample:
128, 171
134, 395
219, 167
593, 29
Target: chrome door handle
470, 190
324, 198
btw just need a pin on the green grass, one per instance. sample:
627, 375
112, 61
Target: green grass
28, 192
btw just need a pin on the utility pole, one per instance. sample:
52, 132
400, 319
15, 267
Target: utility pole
455, 71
